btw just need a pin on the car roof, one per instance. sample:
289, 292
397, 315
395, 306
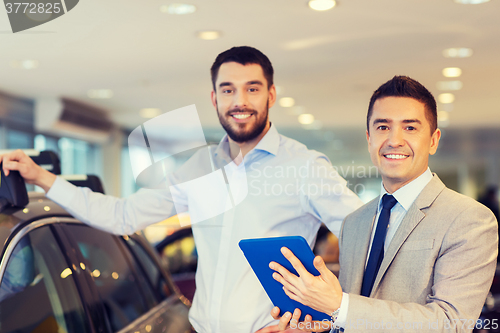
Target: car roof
39, 206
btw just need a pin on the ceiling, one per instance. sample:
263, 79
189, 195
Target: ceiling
329, 62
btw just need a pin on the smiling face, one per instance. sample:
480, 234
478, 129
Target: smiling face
400, 140
242, 100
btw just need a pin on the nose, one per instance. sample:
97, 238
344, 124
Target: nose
240, 100
395, 138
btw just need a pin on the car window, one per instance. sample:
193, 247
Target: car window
116, 281
155, 277
37, 291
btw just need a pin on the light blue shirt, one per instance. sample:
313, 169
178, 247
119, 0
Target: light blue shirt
405, 196
281, 189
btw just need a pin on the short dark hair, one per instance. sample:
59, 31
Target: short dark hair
243, 55
404, 86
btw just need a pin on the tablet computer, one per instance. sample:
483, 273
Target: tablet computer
261, 251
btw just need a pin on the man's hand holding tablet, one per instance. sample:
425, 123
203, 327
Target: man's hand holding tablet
322, 293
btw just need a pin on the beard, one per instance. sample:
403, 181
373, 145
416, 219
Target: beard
237, 133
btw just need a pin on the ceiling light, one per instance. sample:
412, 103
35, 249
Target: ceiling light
149, 112
321, 5
208, 34
306, 119
287, 102
178, 9
452, 72
24, 64
457, 52
449, 85
446, 98
471, 2
100, 93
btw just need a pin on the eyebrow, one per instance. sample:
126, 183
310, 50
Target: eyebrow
405, 121
225, 84
249, 83
258, 82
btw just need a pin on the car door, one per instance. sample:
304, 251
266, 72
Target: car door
38, 288
135, 295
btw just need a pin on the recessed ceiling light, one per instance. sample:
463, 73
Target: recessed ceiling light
24, 64
149, 112
471, 2
457, 52
449, 85
452, 72
306, 119
446, 98
321, 5
287, 102
178, 9
208, 34
100, 93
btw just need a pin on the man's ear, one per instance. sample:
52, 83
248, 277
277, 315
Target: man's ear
272, 96
213, 97
435, 141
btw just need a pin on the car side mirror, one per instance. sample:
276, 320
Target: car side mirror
12, 190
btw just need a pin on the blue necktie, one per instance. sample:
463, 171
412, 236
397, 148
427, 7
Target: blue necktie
377, 251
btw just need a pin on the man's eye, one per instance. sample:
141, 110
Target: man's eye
411, 128
383, 127
227, 91
253, 89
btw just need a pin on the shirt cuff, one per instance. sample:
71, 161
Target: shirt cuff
62, 192
342, 317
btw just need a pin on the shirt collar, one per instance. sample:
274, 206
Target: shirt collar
270, 143
407, 194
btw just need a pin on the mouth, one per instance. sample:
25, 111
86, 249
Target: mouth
241, 116
396, 156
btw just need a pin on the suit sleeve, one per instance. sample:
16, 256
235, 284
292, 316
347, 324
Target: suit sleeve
462, 275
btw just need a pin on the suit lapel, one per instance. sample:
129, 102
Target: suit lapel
412, 218
360, 247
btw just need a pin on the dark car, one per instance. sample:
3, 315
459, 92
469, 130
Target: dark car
60, 275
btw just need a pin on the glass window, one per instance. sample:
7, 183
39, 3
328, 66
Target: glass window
43, 142
19, 140
79, 157
155, 277
118, 285
37, 291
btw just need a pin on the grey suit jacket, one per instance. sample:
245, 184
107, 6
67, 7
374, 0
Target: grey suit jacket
438, 267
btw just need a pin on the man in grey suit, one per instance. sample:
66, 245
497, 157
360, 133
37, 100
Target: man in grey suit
418, 258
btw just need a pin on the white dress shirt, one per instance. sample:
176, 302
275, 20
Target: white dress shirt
280, 189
